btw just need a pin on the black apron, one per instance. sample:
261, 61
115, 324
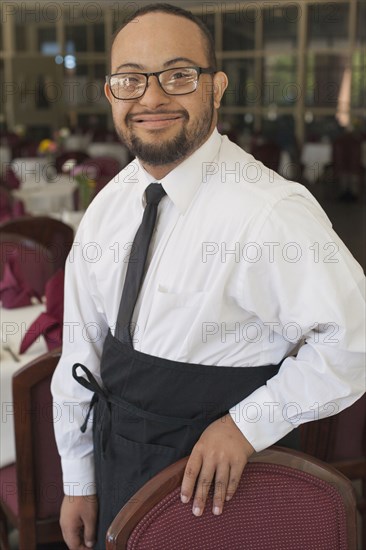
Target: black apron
151, 412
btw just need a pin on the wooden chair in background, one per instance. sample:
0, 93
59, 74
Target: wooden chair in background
31, 489
53, 234
285, 500
341, 441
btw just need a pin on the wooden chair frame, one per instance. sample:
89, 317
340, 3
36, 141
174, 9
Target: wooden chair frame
31, 530
170, 479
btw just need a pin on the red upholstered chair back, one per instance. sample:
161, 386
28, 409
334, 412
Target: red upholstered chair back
285, 500
32, 262
341, 440
347, 154
53, 234
103, 166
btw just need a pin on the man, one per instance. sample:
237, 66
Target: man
243, 270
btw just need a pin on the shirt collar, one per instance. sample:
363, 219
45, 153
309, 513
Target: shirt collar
182, 183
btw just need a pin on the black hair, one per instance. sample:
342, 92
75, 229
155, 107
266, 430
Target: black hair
180, 12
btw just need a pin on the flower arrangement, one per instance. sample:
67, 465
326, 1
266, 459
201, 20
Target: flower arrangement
84, 176
47, 147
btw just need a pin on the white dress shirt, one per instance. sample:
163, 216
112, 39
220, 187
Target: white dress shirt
244, 269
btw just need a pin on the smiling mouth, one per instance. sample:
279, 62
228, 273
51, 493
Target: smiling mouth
156, 120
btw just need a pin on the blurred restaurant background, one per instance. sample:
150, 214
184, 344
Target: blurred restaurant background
296, 101
296, 98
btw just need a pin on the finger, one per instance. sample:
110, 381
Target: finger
74, 538
236, 472
191, 473
203, 485
89, 534
221, 483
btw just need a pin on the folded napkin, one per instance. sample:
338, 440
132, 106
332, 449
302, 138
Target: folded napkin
49, 323
11, 179
14, 290
17, 209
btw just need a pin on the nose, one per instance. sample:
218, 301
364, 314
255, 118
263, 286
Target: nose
154, 95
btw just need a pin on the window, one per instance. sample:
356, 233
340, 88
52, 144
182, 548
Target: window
242, 90
326, 77
47, 41
279, 85
76, 39
98, 38
361, 26
238, 31
328, 25
280, 27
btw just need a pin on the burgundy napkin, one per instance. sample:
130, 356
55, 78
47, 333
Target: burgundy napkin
18, 209
49, 323
11, 179
14, 291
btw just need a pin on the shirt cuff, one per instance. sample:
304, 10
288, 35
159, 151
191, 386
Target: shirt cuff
78, 476
262, 421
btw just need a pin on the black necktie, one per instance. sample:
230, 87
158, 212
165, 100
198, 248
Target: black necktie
135, 270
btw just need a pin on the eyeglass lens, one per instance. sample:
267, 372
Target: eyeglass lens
173, 81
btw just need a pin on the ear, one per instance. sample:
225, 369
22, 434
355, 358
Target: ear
220, 82
108, 93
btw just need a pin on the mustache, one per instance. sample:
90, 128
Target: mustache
135, 116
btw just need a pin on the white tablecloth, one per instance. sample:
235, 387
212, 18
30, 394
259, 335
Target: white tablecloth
33, 172
55, 196
14, 324
314, 157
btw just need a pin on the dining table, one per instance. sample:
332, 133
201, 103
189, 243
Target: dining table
14, 324
53, 195
315, 157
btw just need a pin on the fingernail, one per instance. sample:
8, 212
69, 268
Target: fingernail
89, 544
197, 511
217, 511
184, 499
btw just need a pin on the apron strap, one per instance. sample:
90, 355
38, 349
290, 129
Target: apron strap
90, 384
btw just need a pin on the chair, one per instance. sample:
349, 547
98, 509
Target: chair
31, 489
55, 235
9, 206
110, 149
268, 153
347, 164
33, 263
341, 440
285, 500
101, 169
10, 179
105, 136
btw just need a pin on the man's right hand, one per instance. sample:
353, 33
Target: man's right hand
78, 521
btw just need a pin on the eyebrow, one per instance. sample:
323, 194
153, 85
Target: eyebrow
165, 65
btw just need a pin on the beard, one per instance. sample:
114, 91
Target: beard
170, 150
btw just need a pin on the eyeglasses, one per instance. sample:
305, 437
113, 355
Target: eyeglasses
177, 81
